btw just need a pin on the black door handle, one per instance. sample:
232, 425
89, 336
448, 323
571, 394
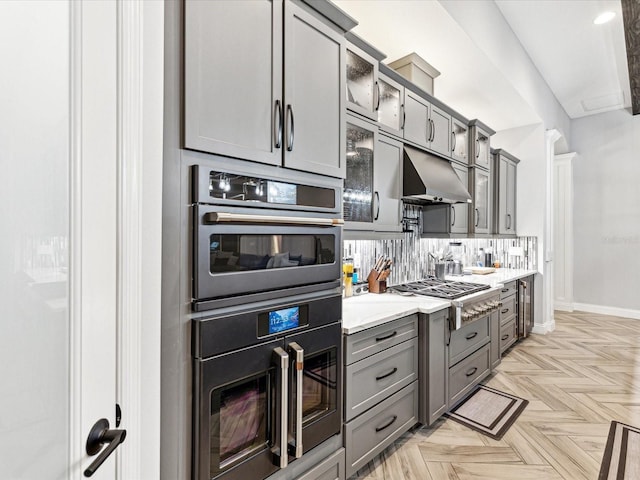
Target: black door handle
98, 436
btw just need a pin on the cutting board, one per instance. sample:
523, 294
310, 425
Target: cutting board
482, 270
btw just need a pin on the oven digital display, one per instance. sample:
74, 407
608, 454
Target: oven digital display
279, 192
285, 319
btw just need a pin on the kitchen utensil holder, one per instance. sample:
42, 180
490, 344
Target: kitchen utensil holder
377, 282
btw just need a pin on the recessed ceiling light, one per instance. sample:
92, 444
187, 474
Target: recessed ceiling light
604, 17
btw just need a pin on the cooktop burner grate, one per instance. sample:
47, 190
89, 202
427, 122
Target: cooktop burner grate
434, 287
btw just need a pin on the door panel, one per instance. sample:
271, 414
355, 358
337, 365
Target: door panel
314, 95
233, 78
387, 178
415, 126
441, 134
58, 274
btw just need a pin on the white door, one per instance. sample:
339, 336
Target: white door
60, 240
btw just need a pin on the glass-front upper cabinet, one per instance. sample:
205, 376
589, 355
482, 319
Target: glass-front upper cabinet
363, 89
391, 105
358, 185
480, 144
459, 141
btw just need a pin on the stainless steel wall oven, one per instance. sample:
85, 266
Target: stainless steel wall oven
267, 385
258, 239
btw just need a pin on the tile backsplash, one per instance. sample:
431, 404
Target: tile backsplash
411, 260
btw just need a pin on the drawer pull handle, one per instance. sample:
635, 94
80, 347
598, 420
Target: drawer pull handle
471, 335
505, 310
472, 371
394, 370
387, 425
504, 337
504, 290
387, 337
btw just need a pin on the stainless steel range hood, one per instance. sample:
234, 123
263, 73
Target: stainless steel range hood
430, 179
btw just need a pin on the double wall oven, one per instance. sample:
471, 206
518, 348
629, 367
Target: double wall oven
267, 343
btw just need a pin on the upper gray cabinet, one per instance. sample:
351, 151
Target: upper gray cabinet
426, 124
480, 144
480, 209
373, 186
459, 141
504, 171
391, 106
363, 88
264, 81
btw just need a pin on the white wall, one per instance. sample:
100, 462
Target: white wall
607, 210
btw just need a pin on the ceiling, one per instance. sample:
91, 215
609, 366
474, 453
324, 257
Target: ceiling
583, 64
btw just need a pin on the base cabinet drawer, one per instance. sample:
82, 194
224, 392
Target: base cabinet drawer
371, 380
333, 468
508, 309
373, 340
373, 431
467, 339
508, 335
466, 374
508, 289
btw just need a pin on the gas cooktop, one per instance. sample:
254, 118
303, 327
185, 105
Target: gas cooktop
434, 287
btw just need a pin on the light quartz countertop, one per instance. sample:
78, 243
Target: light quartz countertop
371, 309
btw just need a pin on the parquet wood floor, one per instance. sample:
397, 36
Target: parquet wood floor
577, 379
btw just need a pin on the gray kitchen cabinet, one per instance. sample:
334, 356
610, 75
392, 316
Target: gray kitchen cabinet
508, 315
426, 125
459, 141
466, 374
480, 147
363, 94
380, 388
391, 107
494, 351
460, 211
505, 207
480, 208
373, 184
333, 468
433, 365
251, 90
468, 339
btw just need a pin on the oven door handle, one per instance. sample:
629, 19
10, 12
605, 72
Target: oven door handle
297, 353
223, 217
281, 360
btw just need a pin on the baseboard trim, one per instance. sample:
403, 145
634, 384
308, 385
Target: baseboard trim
564, 306
543, 329
605, 310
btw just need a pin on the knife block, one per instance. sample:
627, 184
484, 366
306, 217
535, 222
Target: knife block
375, 284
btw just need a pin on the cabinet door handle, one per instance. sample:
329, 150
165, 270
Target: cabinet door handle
472, 371
433, 130
290, 124
298, 362
509, 221
378, 96
504, 337
382, 377
387, 337
471, 335
453, 215
453, 141
387, 425
278, 122
504, 311
477, 147
477, 216
404, 116
377, 195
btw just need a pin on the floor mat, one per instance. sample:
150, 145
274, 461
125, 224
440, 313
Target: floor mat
489, 411
621, 458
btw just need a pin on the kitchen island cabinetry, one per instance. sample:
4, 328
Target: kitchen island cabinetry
434, 367
251, 92
381, 391
504, 205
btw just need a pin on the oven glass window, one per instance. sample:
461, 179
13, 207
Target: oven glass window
254, 189
242, 252
239, 422
319, 392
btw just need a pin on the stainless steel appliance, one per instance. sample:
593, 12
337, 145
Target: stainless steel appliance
267, 385
258, 239
525, 306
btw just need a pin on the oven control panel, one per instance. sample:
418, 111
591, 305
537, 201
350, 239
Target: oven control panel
466, 312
